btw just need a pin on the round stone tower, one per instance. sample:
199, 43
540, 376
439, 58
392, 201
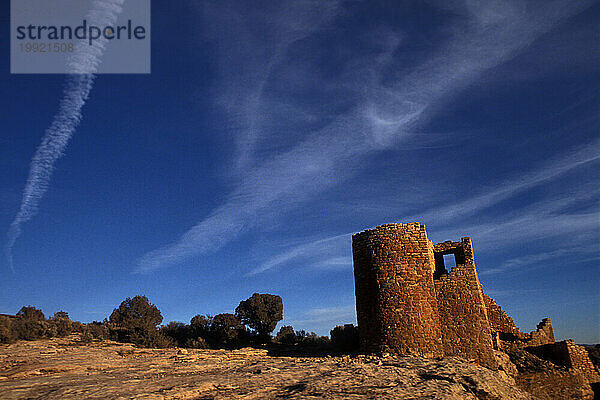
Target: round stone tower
395, 294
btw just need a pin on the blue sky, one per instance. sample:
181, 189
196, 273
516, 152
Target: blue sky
267, 133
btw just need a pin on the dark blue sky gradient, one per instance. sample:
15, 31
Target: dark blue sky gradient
267, 133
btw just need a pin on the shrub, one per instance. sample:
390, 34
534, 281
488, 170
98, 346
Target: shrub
345, 338
86, 337
261, 312
226, 330
7, 335
200, 326
198, 343
135, 313
120, 334
28, 329
177, 331
286, 335
140, 337
199, 332
61, 324
30, 324
31, 313
135, 321
78, 326
311, 339
153, 338
96, 330
61, 315
50, 330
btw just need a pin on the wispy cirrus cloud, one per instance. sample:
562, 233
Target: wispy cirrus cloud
382, 109
246, 66
82, 65
312, 252
555, 168
539, 260
542, 219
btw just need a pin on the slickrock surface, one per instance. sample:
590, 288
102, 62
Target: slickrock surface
63, 369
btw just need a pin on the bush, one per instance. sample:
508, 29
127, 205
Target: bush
177, 331
286, 335
96, 330
61, 315
78, 326
30, 324
7, 335
135, 321
261, 312
311, 339
120, 334
31, 313
226, 330
29, 329
50, 330
61, 324
301, 339
140, 337
345, 338
86, 337
136, 313
153, 339
198, 343
200, 326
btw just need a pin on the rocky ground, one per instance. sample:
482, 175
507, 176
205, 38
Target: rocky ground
66, 369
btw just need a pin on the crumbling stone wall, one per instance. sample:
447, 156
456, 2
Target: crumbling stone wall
570, 355
464, 323
557, 353
504, 339
408, 303
579, 359
395, 295
544, 334
499, 320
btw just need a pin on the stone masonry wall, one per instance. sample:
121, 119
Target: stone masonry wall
556, 353
580, 361
395, 295
568, 354
464, 323
408, 303
544, 334
499, 320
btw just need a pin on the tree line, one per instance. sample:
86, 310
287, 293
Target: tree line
138, 321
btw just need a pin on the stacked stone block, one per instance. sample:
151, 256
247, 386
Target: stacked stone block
506, 337
579, 360
544, 334
464, 324
408, 304
395, 293
499, 320
570, 355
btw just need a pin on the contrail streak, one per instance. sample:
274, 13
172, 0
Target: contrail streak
83, 64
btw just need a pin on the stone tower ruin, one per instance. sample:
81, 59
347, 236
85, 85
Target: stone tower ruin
407, 303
